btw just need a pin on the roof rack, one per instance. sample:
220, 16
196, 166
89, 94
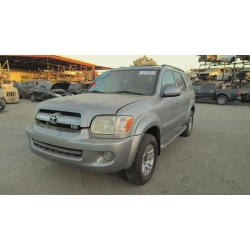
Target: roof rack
165, 65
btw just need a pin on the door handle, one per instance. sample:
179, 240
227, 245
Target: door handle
188, 97
177, 101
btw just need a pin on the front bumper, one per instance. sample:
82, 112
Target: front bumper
80, 150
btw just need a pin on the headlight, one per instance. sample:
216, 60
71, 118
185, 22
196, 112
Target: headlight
109, 125
56, 95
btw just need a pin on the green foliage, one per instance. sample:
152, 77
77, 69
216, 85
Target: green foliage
144, 61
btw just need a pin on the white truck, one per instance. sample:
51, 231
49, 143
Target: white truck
9, 93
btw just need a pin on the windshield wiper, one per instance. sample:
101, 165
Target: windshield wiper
127, 92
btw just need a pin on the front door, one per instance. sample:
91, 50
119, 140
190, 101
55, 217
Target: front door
170, 106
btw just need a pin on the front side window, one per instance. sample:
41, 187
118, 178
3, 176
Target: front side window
179, 81
167, 80
134, 81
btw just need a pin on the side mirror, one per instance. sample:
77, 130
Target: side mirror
172, 91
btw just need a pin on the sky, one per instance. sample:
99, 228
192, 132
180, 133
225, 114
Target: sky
184, 62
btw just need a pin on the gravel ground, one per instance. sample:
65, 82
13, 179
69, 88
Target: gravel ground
214, 160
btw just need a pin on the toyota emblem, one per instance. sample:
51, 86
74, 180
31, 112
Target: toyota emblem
54, 118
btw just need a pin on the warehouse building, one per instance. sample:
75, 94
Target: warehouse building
20, 68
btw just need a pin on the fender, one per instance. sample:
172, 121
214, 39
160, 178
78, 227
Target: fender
192, 104
226, 94
146, 122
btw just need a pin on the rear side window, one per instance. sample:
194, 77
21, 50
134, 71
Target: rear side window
197, 87
179, 81
188, 82
208, 86
167, 80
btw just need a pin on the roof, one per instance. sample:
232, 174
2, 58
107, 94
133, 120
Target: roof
33, 62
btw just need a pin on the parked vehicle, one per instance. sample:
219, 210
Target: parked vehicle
2, 104
212, 91
9, 93
215, 74
48, 91
245, 93
125, 119
23, 89
77, 88
243, 74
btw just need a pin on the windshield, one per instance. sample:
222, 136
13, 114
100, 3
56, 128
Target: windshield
134, 81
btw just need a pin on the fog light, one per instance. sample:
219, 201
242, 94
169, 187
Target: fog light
108, 156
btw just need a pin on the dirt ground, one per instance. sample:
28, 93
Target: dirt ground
214, 160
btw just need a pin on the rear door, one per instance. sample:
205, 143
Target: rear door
208, 91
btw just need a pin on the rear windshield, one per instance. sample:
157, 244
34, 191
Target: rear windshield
134, 81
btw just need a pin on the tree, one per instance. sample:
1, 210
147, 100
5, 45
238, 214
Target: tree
144, 61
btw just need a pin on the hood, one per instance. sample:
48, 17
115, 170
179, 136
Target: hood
60, 85
90, 105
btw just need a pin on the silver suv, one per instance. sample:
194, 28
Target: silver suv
122, 122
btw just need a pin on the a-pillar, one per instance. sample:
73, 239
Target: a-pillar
93, 73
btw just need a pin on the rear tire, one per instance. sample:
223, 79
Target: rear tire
190, 123
32, 98
145, 160
2, 108
222, 100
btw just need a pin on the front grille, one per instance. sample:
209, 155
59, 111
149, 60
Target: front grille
12, 93
60, 125
62, 112
57, 151
61, 119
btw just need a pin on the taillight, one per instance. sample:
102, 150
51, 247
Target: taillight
238, 92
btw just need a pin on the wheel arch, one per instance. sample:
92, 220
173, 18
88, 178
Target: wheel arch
155, 131
150, 124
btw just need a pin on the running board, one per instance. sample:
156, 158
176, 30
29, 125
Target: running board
168, 139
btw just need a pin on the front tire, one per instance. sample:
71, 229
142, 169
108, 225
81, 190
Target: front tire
145, 160
222, 100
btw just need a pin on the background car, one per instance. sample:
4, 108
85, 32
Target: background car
48, 91
245, 93
243, 74
77, 88
23, 89
216, 74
